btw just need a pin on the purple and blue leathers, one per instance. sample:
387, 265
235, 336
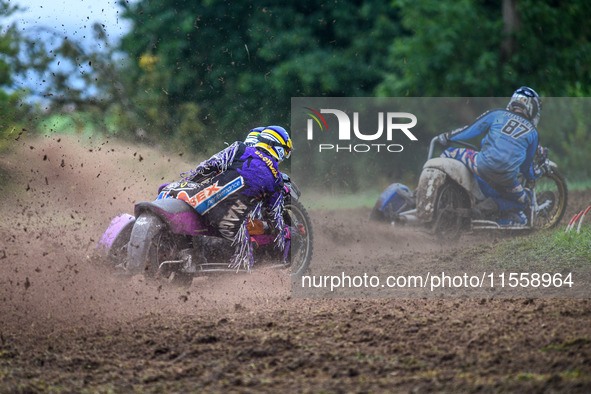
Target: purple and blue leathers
508, 148
232, 187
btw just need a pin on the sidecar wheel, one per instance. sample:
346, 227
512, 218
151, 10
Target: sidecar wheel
117, 253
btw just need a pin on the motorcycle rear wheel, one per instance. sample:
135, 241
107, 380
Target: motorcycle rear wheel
551, 190
450, 203
151, 244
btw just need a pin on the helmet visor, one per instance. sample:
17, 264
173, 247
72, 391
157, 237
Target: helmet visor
286, 147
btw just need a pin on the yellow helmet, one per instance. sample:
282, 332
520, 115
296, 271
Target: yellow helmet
275, 140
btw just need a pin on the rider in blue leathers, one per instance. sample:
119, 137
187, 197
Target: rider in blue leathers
508, 149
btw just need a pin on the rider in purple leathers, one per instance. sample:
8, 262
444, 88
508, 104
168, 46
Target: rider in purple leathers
235, 185
508, 148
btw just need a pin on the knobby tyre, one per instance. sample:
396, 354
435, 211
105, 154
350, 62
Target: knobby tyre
302, 245
150, 245
449, 218
552, 195
117, 253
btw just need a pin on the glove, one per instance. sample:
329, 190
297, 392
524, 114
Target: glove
285, 191
290, 231
443, 139
162, 187
538, 172
542, 153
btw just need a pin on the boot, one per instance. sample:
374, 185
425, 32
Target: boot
485, 209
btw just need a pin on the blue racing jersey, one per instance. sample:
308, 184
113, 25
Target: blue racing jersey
508, 147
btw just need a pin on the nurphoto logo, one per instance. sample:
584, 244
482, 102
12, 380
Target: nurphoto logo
389, 123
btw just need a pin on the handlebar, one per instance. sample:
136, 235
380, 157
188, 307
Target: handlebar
461, 143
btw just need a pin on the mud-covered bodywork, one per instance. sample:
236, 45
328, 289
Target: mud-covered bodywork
434, 175
429, 183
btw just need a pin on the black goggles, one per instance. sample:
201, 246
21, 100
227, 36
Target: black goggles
275, 143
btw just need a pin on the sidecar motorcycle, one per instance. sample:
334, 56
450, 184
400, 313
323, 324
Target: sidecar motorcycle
448, 192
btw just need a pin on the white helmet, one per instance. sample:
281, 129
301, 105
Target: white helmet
528, 100
253, 136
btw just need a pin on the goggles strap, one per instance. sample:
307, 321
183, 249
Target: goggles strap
273, 143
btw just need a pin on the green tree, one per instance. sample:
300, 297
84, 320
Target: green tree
62, 76
239, 64
488, 48
11, 109
77, 79
482, 48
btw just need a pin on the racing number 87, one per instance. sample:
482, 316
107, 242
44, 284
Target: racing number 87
515, 129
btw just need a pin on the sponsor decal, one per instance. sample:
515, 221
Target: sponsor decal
213, 194
231, 220
269, 163
176, 186
207, 198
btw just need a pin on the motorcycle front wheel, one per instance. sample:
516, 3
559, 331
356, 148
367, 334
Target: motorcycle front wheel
302, 246
551, 200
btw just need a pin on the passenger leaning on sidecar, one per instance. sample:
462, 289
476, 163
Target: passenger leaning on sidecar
235, 185
508, 148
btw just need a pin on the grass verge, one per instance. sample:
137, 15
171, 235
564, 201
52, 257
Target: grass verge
553, 249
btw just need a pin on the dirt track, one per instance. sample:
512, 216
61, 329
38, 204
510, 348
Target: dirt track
67, 325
